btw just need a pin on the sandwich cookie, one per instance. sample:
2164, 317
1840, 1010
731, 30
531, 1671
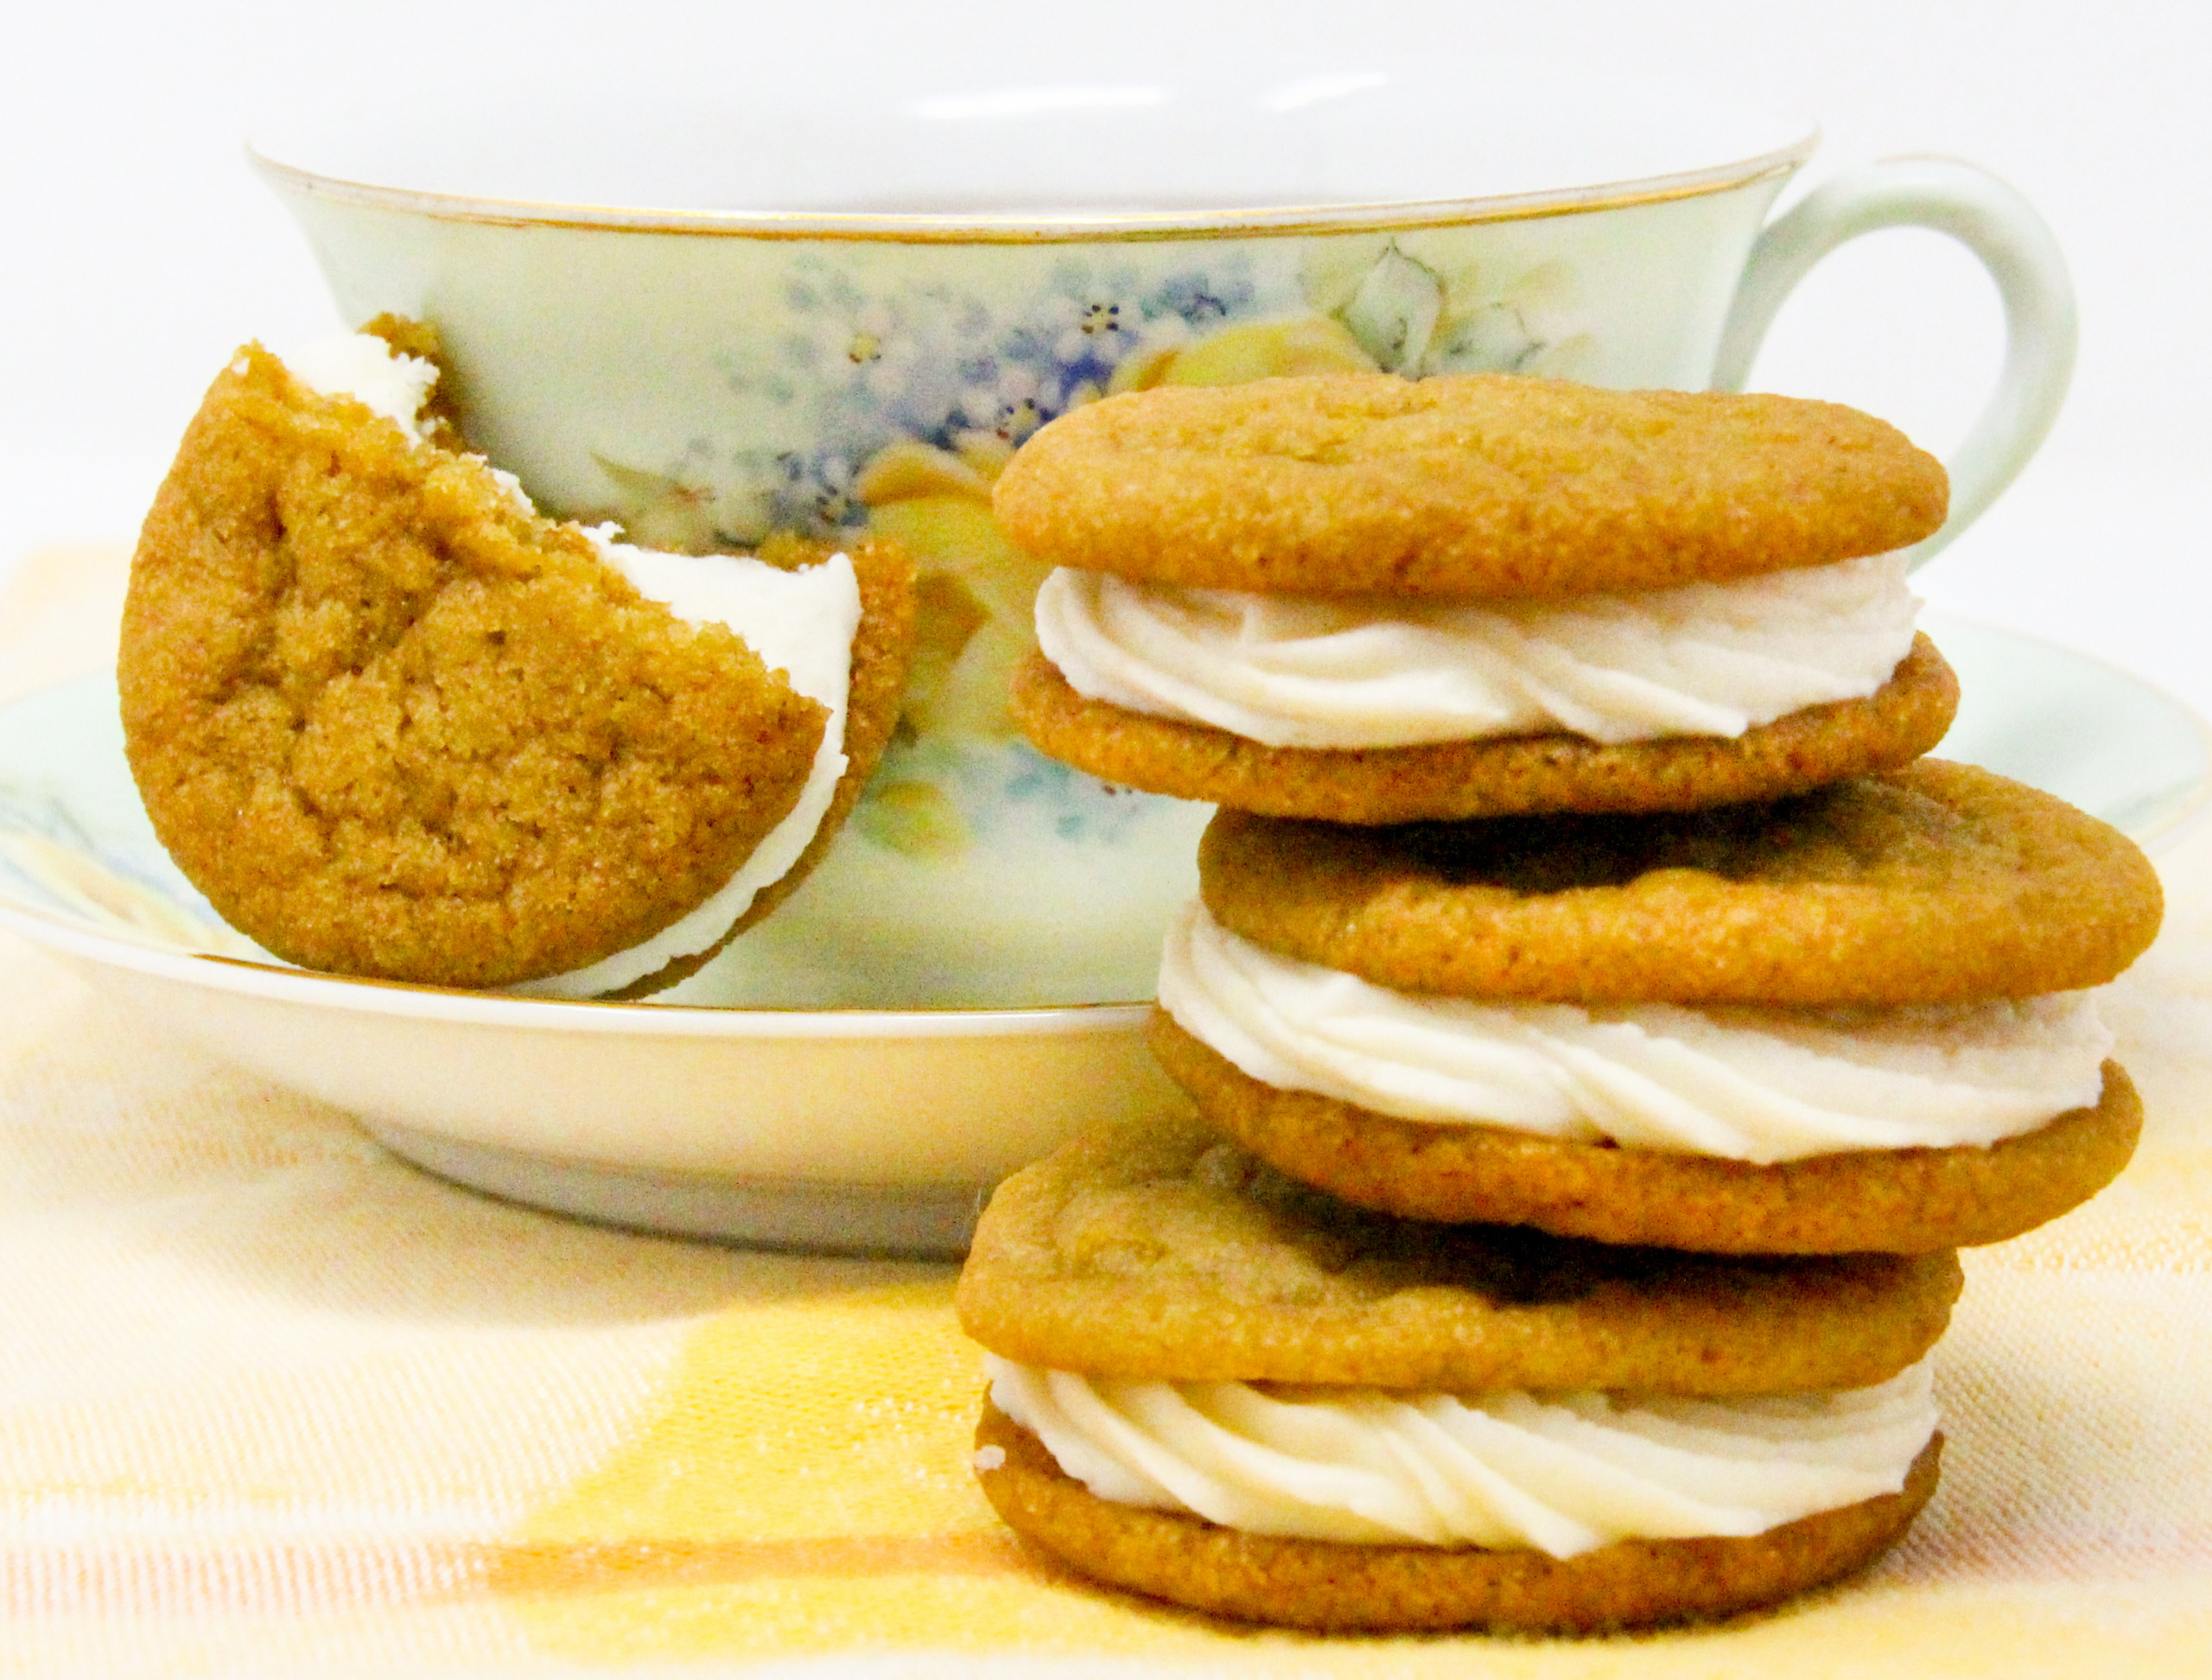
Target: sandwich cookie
1369, 601
1213, 1384
1853, 1021
395, 724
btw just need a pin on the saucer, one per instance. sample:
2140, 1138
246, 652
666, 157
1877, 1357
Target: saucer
835, 1131
862, 1131
2097, 736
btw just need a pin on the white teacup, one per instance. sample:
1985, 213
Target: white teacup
709, 320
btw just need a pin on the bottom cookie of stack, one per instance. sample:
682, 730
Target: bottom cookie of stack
1220, 1387
1331, 1586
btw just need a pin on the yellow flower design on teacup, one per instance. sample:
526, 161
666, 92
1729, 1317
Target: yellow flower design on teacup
1250, 350
976, 592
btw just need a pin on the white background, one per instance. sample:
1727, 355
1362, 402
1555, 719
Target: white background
137, 250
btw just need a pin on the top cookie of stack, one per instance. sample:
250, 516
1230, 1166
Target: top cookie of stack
1371, 600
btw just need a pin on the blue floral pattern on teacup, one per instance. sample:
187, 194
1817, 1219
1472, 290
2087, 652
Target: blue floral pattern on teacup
896, 404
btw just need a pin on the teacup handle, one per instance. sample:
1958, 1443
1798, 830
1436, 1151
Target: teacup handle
2014, 245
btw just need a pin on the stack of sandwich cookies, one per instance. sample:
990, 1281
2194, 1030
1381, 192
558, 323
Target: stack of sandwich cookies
1213, 1384
1367, 601
395, 724
1728, 990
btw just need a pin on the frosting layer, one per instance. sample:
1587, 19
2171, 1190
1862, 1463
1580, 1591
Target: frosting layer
1562, 1473
1738, 1083
1371, 671
363, 367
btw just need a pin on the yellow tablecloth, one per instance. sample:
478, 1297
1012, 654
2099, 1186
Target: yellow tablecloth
273, 1403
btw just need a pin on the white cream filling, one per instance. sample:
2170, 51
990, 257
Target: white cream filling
363, 367
1562, 1473
801, 622
1308, 671
1741, 1083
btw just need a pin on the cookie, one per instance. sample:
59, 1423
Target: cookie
1155, 1274
1336, 1588
1501, 776
1935, 883
1357, 599
1854, 1020
1477, 485
393, 723
1909, 1201
1160, 1251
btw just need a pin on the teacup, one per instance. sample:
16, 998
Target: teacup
711, 319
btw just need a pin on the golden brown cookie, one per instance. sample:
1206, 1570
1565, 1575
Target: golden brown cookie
1154, 1250
1510, 776
1895, 1201
1160, 1251
394, 725
1935, 883
1336, 1588
1474, 485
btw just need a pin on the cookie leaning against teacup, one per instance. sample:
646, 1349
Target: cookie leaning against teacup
1853, 1021
394, 724
1219, 1386
1371, 600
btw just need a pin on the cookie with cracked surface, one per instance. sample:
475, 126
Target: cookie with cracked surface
394, 724
1161, 1250
1478, 485
1935, 883
1512, 775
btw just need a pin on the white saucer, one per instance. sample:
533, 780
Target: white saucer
2097, 736
857, 1131
851, 1131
